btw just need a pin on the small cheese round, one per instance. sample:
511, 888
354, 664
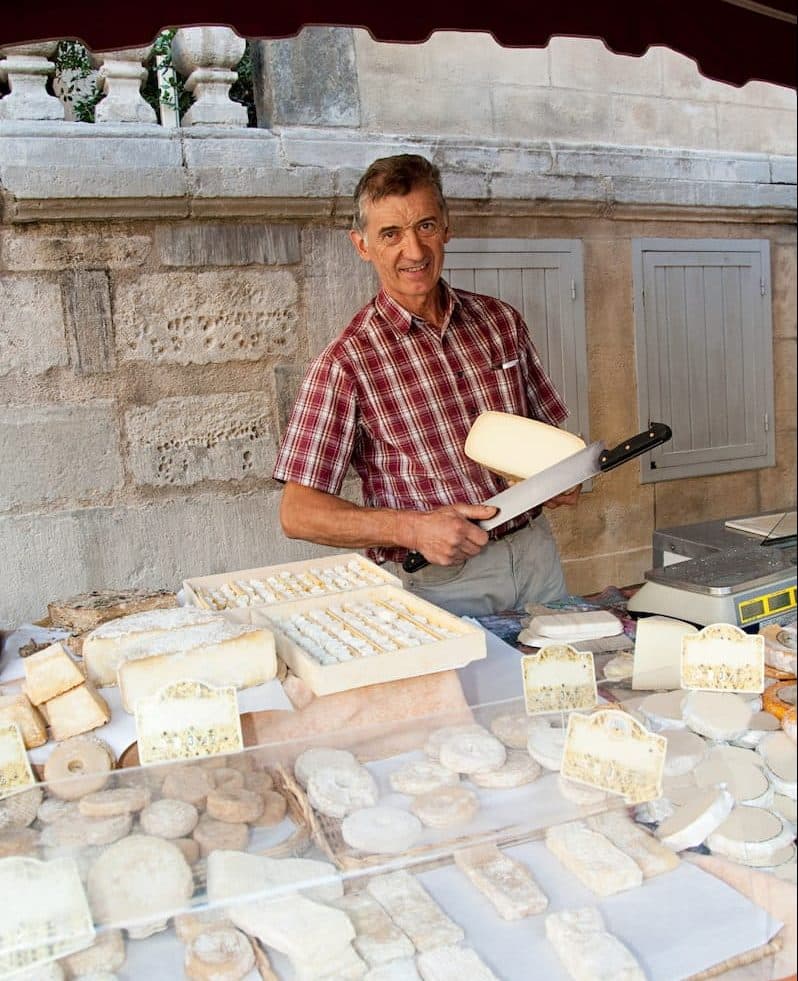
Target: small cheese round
219, 954
235, 806
511, 728
211, 835
720, 715
471, 752
78, 766
685, 750
320, 758
749, 832
119, 800
169, 818
446, 806
338, 790
274, 809
663, 710
189, 783
381, 830
435, 740
421, 776
518, 769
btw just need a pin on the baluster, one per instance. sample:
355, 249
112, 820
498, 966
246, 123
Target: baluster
121, 76
26, 68
207, 57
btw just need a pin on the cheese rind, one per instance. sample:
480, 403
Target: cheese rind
78, 710
696, 819
516, 447
49, 673
750, 833
19, 708
593, 859
243, 657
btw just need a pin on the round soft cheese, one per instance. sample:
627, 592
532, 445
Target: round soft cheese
749, 832
664, 710
684, 752
745, 781
717, 714
696, 819
775, 861
781, 761
381, 830
761, 724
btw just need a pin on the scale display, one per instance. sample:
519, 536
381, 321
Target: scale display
744, 585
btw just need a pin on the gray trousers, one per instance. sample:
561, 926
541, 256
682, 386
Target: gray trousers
523, 567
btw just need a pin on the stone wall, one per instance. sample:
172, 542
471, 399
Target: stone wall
162, 291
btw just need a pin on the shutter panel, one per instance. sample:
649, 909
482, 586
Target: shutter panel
704, 356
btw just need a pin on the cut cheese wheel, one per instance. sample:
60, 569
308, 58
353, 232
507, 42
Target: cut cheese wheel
749, 832
772, 862
716, 714
746, 782
696, 819
685, 751
787, 809
516, 447
381, 830
663, 710
781, 761
761, 724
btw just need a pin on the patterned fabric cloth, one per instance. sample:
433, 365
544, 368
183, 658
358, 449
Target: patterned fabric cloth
396, 397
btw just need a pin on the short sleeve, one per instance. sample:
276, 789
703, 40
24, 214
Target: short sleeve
545, 403
317, 446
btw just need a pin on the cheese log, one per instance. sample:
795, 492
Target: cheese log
378, 939
49, 673
588, 952
651, 855
77, 710
453, 964
414, 911
236, 655
507, 884
593, 858
18, 708
516, 447
109, 644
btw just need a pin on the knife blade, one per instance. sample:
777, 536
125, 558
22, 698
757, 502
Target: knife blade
558, 478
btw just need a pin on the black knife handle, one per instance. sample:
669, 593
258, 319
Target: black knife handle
656, 434
414, 561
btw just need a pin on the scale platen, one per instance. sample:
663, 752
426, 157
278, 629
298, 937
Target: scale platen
745, 585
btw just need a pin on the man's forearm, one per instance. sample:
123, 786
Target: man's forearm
325, 519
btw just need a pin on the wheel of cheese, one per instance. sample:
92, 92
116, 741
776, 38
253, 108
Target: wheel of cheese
680, 789
320, 758
788, 723
219, 954
381, 830
446, 806
169, 818
259, 781
140, 878
119, 800
80, 831
517, 770
772, 862
78, 766
685, 750
787, 809
511, 728
472, 752
435, 740
274, 810
420, 776
191, 784
780, 648
53, 809
781, 761
19, 810
228, 778
663, 710
336, 791
779, 698
212, 835
749, 832
546, 742
580, 793
746, 782
235, 806
693, 821
761, 724
719, 715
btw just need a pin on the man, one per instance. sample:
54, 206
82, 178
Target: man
395, 395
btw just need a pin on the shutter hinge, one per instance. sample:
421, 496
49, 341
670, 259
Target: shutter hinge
766, 420
573, 289
762, 289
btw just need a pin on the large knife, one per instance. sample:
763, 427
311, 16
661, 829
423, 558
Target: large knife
560, 477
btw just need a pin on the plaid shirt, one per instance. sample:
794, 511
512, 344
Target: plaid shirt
396, 397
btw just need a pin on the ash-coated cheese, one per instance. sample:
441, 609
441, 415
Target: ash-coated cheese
231, 655
50, 672
593, 859
587, 950
77, 711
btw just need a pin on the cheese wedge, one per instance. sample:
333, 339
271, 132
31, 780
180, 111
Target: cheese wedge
516, 447
18, 708
222, 654
49, 673
78, 710
109, 644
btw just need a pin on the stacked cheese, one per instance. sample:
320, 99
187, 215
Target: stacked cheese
143, 652
55, 685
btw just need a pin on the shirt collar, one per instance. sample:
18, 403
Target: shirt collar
402, 320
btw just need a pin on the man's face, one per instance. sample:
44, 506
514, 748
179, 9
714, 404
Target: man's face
404, 238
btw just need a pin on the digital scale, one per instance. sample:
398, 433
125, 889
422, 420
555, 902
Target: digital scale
713, 574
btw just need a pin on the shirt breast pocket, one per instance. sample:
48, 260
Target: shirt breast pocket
504, 386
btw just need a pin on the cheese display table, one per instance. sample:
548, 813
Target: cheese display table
412, 828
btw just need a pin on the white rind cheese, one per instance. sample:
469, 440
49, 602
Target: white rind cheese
649, 853
516, 447
593, 859
454, 964
685, 751
663, 710
588, 952
378, 940
693, 821
507, 884
781, 761
750, 833
719, 715
745, 781
241, 656
108, 645
414, 911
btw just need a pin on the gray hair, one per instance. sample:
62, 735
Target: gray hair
400, 175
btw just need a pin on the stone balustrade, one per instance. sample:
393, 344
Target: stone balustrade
206, 57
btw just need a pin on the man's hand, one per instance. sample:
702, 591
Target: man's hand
569, 497
448, 535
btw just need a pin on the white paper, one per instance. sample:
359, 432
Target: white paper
494, 678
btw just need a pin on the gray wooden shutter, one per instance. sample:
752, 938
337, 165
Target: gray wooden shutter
544, 281
704, 354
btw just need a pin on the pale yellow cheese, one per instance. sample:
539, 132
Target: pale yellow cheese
516, 447
77, 710
241, 657
49, 673
18, 708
